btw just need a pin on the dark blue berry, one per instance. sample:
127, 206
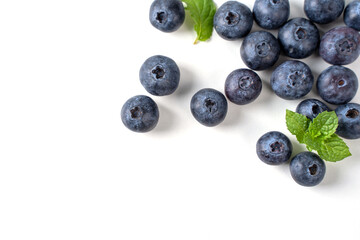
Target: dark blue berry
159, 75
233, 20
274, 148
307, 169
349, 120
352, 15
337, 85
140, 114
299, 38
340, 46
292, 80
271, 14
260, 50
167, 15
311, 108
323, 11
242, 86
209, 107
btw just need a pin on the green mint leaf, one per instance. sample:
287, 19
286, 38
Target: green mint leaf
297, 124
324, 125
311, 142
334, 149
318, 134
202, 13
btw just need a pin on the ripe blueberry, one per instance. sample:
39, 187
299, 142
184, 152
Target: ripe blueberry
140, 114
271, 14
242, 86
260, 50
307, 169
311, 108
159, 75
233, 20
274, 148
292, 80
209, 107
323, 11
349, 120
352, 15
299, 38
167, 15
340, 46
337, 85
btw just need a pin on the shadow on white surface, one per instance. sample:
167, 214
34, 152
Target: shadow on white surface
234, 115
166, 120
186, 83
297, 148
332, 176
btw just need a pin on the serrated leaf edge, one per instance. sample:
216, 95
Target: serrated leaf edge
318, 138
198, 26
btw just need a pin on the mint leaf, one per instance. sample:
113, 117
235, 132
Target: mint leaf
202, 13
312, 143
297, 124
334, 149
324, 125
318, 134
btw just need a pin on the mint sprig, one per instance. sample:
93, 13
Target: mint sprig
318, 134
297, 124
202, 13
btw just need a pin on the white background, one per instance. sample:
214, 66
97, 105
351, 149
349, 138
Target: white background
69, 169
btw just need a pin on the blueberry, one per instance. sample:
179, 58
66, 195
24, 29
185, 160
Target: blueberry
159, 75
242, 86
271, 14
299, 38
167, 15
349, 120
260, 50
323, 11
307, 169
274, 148
292, 80
233, 20
140, 114
340, 46
337, 85
209, 107
311, 108
352, 15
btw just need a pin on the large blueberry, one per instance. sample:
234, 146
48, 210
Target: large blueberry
349, 120
274, 148
292, 80
337, 85
340, 46
311, 108
209, 107
159, 75
140, 114
167, 15
352, 15
260, 50
233, 20
242, 86
307, 169
323, 11
271, 14
299, 38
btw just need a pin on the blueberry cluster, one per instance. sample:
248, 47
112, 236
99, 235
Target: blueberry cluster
275, 148
297, 38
